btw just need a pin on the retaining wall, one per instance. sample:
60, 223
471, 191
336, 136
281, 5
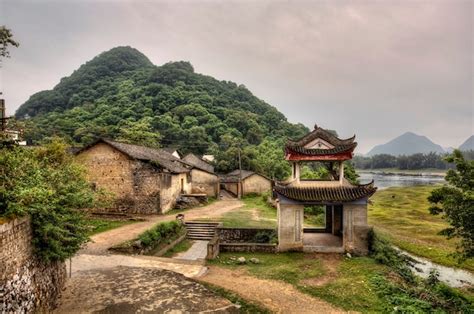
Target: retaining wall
26, 284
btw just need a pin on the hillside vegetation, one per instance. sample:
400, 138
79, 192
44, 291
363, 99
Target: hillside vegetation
120, 93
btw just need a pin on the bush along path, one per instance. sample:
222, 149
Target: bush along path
100, 243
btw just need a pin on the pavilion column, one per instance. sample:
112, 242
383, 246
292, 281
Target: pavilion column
290, 227
341, 172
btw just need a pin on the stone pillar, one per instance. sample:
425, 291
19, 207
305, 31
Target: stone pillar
295, 171
290, 227
355, 228
341, 172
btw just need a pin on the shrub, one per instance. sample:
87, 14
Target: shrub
412, 294
160, 233
265, 236
45, 184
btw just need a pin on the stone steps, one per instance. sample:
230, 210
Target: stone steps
200, 230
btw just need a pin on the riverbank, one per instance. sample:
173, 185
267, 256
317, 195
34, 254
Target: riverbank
401, 215
405, 172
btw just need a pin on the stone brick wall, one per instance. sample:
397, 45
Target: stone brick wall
241, 235
138, 187
204, 182
256, 184
26, 284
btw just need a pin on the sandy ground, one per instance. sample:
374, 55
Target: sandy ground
101, 242
279, 297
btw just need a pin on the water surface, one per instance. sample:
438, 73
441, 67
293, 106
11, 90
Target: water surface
383, 180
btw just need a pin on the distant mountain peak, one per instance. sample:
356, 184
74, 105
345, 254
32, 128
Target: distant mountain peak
468, 144
407, 144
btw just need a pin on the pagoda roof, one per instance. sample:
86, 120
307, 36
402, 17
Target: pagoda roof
332, 194
334, 148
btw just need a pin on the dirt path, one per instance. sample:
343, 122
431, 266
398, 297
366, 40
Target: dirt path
277, 296
101, 242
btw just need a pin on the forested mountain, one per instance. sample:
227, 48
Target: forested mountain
120, 94
468, 144
407, 144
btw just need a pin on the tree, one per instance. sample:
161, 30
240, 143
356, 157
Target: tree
6, 39
455, 201
140, 133
45, 184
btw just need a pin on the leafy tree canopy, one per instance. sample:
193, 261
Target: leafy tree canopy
45, 184
120, 94
455, 201
6, 39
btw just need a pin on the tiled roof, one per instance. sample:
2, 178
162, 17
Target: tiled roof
327, 194
158, 156
198, 162
234, 176
315, 151
340, 145
319, 132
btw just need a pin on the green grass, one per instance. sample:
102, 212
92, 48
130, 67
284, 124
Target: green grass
401, 215
350, 288
256, 213
98, 225
182, 246
288, 267
245, 306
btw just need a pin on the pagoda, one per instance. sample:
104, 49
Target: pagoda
345, 204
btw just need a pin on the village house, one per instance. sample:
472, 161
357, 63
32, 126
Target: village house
143, 180
203, 178
345, 204
252, 183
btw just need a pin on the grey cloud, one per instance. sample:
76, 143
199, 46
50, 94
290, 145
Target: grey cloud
372, 68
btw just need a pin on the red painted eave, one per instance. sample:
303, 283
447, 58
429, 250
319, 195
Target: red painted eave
292, 156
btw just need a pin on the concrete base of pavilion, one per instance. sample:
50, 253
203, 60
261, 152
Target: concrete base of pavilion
322, 243
347, 231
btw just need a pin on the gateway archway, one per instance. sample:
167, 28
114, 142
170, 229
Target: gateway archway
346, 226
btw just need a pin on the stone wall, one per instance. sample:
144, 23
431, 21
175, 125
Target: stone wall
138, 187
256, 184
204, 182
241, 235
169, 194
355, 228
290, 227
26, 284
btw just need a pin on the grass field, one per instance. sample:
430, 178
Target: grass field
401, 215
182, 246
255, 213
338, 280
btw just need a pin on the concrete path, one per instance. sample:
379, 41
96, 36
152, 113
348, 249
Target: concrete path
128, 290
100, 243
198, 251
86, 262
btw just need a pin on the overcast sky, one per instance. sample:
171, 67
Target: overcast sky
373, 68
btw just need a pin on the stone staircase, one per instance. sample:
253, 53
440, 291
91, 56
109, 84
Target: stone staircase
201, 230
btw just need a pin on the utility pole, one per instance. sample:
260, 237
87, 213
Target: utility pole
3, 117
239, 195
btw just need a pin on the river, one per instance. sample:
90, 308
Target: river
386, 180
452, 276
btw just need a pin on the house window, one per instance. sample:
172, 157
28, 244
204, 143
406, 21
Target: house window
182, 185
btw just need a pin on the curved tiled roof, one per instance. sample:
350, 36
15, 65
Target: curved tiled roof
327, 194
319, 132
315, 151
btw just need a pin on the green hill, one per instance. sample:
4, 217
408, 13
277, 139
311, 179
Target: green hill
121, 94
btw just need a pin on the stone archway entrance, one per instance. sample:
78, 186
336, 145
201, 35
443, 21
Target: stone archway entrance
345, 230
